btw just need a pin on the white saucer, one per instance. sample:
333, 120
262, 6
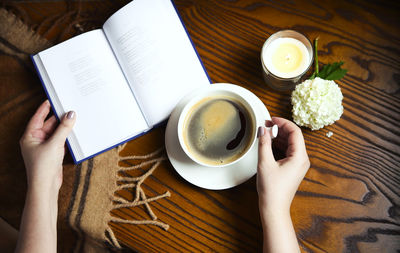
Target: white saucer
210, 177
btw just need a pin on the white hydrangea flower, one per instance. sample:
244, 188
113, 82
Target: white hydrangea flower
317, 103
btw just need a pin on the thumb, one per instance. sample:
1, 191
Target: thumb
65, 127
265, 155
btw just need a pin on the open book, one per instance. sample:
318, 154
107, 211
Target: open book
123, 79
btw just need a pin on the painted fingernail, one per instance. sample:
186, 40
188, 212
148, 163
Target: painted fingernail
70, 114
260, 132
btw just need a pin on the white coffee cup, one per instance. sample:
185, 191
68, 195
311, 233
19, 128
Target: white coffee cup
228, 91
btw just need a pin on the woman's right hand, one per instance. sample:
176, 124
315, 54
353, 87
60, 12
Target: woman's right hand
277, 183
278, 180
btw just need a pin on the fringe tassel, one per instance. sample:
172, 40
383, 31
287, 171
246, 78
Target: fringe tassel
142, 202
142, 157
146, 204
114, 240
141, 222
140, 197
141, 165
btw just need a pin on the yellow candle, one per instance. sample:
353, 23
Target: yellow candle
286, 57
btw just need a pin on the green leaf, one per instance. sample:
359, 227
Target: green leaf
332, 71
329, 71
338, 74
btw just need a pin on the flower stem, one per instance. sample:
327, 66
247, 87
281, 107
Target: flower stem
316, 56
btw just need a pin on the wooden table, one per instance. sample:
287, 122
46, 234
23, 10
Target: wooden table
349, 200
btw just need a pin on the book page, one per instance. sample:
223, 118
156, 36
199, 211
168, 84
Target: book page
87, 78
156, 55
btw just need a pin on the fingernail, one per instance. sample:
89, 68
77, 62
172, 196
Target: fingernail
260, 132
70, 114
269, 123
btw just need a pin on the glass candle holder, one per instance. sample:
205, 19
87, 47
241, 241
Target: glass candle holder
285, 57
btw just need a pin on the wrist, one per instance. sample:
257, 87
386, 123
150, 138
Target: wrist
47, 192
273, 218
273, 211
45, 179
272, 204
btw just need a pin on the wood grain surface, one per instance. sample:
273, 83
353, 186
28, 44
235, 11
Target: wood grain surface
349, 200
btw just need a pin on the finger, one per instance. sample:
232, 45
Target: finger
295, 140
265, 155
285, 126
296, 145
65, 127
50, 125
36, 122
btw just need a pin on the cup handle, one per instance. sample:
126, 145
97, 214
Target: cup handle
273, 131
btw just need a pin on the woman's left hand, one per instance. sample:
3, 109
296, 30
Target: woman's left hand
43, 148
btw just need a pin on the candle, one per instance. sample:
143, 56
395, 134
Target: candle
285, 57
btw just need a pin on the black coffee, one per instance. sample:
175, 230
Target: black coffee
218, 130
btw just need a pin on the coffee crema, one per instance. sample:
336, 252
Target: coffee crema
218, 130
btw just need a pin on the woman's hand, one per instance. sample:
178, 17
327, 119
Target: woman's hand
42, 147
277, 183
278, 180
